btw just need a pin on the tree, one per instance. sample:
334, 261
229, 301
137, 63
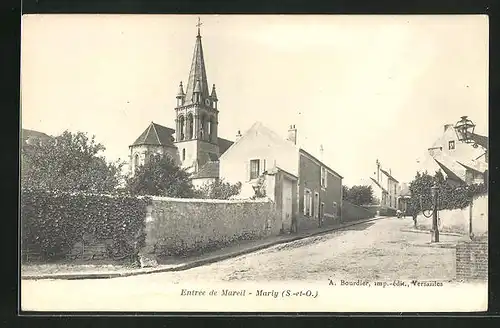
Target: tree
69, 162
358, 195
161, 177
219, 189
260, 188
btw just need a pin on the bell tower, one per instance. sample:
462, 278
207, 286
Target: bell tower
197, 115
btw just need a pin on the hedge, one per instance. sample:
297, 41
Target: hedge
449, 197
52, 222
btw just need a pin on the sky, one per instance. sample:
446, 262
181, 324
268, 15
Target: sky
363, 87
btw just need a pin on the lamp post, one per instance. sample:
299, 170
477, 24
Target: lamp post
433, 212
435, 228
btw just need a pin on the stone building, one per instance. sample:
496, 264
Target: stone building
194, 143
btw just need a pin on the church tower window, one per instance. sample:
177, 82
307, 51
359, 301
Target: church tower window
181, 128
190, 126
136, 160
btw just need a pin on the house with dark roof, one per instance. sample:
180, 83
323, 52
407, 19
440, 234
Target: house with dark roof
306, 191
194, 142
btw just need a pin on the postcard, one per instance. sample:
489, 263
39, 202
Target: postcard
247, 163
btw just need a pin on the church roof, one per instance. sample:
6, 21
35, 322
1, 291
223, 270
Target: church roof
156, 134
224, 145
209, 170
197, 73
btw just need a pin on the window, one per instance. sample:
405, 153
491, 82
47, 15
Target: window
315, 211
451, 144
323, 177
254, 169
136, 160
307, 202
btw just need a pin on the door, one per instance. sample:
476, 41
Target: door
286, 211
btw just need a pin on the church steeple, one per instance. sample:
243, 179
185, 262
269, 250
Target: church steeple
197, 73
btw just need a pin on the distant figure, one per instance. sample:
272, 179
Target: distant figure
399, 214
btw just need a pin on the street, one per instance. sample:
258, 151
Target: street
375, 251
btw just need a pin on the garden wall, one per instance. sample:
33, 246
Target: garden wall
179, 227
382, 210
457, 221
351, 212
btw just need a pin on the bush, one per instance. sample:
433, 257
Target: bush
450, 197
219, 189
52, 222
358, 195
161, 177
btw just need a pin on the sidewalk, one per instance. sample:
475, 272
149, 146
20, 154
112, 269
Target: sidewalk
109, 271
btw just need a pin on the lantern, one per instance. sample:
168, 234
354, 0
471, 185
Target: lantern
465, 130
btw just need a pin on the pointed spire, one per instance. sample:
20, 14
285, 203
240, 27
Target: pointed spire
197, 72
214, 94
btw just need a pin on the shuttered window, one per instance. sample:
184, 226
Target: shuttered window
307, 202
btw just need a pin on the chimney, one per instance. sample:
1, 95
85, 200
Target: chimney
238, 135
378, 170
292, 134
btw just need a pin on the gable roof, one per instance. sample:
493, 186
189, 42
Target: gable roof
209, 170
379, 185
156, 134
449, 173
388, 175
320, 162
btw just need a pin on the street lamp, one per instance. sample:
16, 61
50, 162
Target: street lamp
465, 130
433, 212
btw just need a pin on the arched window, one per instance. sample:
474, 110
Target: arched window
136, 160
181, 127
190, 126
183, 154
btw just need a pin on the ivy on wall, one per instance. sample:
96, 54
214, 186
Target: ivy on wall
52, 222
450, 197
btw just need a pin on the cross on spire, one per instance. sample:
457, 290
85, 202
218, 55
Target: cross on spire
198, 25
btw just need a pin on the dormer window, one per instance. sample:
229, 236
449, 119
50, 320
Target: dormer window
451, 144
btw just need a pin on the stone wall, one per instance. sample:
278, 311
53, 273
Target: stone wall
457, 221
187, 226
351, 212
472, 259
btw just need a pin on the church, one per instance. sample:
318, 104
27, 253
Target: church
194, 143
